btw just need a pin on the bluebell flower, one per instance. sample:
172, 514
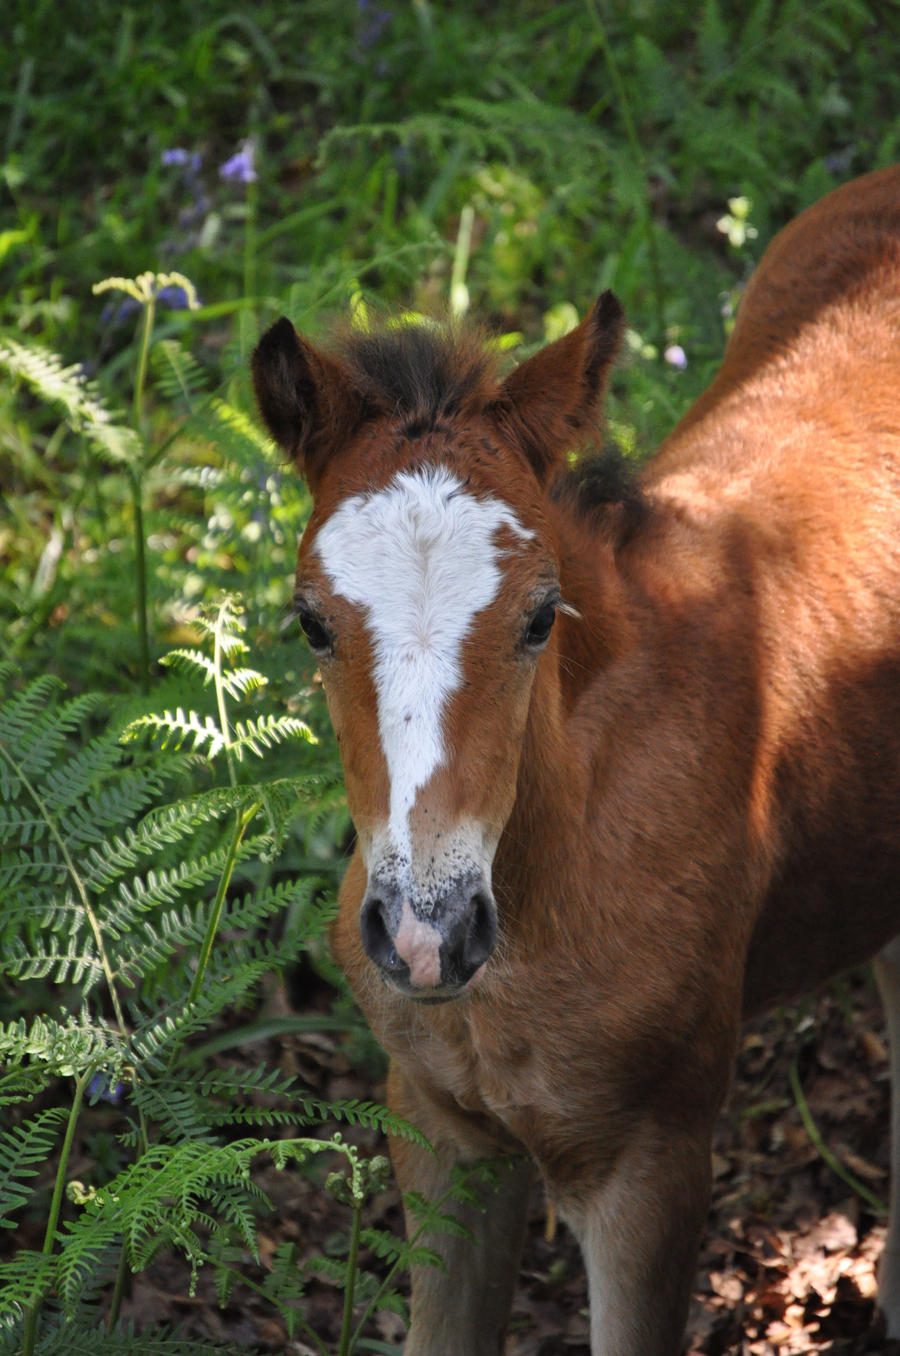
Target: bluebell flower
839, 162
240, 166
191, 160
120, 311
99, 1086
173, 297
377, 20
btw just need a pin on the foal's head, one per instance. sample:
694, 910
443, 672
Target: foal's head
427, 586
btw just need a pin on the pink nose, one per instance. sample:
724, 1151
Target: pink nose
418, 944
437, 944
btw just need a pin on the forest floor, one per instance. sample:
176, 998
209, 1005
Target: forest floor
788, 1264
789, 1261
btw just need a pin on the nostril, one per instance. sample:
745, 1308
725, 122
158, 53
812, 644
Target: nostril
481, 937
376, 938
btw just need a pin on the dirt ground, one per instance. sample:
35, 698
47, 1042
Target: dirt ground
789, 1261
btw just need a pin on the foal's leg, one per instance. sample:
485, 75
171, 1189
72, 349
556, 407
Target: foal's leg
640, 1232
887, 973
463, 1310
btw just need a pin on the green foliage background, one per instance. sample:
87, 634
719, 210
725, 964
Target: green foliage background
512, 159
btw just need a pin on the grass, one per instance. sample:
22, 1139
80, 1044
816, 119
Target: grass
588, 144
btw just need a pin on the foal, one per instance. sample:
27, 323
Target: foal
623, 760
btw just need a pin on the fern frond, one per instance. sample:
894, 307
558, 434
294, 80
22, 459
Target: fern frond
432, 1217
177, 374
83, 406
268, 731
91, 1340
224, 623
177, 728
33, 729
163, 1199
153, 940
389, 1248
194, 662
160, 828
22, 1276
245, 437
237, 682
140, 894
153, 1044
22, 1150
65, 1048
62, 966
22, 1084
82, 774
242, 682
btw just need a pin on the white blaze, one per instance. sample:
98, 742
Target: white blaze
421, 558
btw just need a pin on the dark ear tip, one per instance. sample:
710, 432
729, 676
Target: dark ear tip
280, 338
608, 310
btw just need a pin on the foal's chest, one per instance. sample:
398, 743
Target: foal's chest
489, 1069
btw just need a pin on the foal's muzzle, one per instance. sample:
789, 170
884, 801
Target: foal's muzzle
429, 950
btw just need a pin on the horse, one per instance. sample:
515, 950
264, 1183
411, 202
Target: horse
622, 751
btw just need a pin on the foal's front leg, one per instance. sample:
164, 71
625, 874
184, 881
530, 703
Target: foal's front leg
640, 1232
461, 1310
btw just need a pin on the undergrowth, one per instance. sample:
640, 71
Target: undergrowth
143, 919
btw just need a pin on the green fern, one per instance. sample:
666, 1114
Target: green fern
22, 1151
80, 400
84, 1337
177, 374
103, 888
100, 887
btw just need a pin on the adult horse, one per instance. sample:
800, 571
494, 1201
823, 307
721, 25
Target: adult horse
623, 757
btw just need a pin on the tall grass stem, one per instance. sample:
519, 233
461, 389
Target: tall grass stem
241, 822
34, 1310
137, 493
346, 1346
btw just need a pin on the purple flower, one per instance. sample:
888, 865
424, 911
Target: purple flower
376, 21
174, 297
100, 1087
240, 166
676, 355
839, 162
191, 160
119, 312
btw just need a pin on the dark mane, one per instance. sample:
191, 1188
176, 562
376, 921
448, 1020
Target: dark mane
598, 483
427, 373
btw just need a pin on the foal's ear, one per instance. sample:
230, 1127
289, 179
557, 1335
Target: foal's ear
551, 402
306, 398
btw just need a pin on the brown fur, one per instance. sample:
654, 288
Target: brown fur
699, 785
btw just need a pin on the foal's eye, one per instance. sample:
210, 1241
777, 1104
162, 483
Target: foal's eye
315, 632
540, 626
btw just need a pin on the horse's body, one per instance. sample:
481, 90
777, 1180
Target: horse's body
610, 845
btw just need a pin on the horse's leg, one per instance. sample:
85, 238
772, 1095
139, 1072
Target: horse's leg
464, 1308
887, 973
640, 1232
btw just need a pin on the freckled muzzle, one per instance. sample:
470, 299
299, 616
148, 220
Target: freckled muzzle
430, 949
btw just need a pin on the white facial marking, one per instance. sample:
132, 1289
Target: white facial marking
421, 557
